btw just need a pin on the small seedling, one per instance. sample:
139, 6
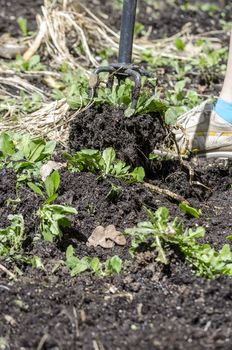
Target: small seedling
22, 22
114, 192
12, 237
180, 44
22, 65
53, 216
113, 265
77, 266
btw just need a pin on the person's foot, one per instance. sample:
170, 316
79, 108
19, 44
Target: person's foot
204, 132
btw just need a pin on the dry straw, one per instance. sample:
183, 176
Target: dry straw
63, 27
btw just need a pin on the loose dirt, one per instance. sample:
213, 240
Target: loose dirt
147, 306
11, 10
134, 138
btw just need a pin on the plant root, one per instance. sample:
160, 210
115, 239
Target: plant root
166, 193
8, 272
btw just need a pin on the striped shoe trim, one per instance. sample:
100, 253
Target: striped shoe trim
214, 133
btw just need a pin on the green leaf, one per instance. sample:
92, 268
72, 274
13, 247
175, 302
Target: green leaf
161, 254
55, 176
36, 262
196, 213
95, 265
113, 265
49, 185
36, 152
47, 236
225, 253
129, 112
108, 156
180, 44
138, 174
34, 61
69, 251
49, 147
81, 266
6, 144
35, 188
51, 199
22, 22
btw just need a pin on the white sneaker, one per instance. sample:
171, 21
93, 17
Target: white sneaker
202, 131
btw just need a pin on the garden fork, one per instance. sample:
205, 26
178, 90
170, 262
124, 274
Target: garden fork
124, 68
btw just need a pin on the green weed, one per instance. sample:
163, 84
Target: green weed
24, 154
77, 266
75, 86
53, 217
104, 163
22, 104
22, 23
160, 233
196, 213
12, 237
22, 65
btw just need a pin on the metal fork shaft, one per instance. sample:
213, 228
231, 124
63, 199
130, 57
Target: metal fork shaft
127, 31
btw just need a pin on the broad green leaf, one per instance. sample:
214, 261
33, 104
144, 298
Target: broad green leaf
47, 236
89, 152
225, 253
36, 262
49, 147
95, 265
196, 213
36, 152
116, 264
51, 198
108, 156
35, 188
113, 265
81, 266
55, 176
49, 185
6, 144
138, 174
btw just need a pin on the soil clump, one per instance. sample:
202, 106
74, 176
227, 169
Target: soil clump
133, 138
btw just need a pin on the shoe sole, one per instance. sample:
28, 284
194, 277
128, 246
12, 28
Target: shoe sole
219, 155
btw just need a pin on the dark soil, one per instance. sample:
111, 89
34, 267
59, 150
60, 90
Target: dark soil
11, 10
134, 138
147, 306
165, 19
